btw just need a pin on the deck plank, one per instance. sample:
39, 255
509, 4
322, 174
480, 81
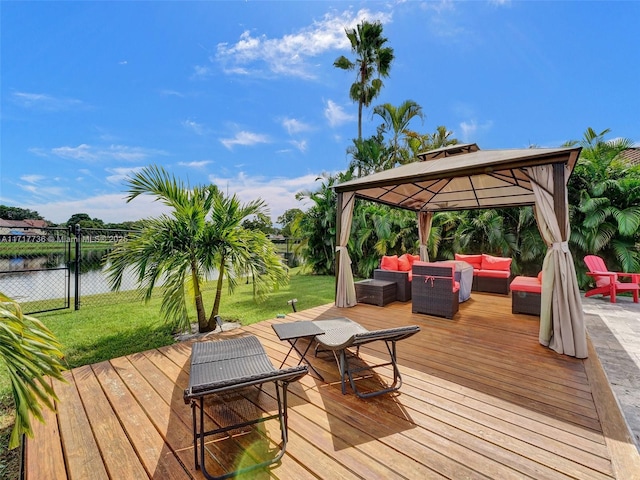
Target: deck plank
46, 459
155, 455
119, 456
481, 399
82, 454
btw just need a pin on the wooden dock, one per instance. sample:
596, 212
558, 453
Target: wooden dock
481, 399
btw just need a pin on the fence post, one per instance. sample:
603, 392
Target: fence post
76, 295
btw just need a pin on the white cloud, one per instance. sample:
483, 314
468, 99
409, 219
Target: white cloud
32, 178
288, 55
300, 145
194, 126
81, 152
292, 126
119, 174
200, 164
471, 129
165, 92
89, 153
40, 191
336, 115
278, 193
43, 101
245, 138
111, 208
200, 72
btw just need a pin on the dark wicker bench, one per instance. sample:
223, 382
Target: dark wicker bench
227, 366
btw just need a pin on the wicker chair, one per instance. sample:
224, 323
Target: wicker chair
434, 290
401, 279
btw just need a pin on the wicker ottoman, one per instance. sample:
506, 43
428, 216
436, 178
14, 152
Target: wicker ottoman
375, 292
525, 295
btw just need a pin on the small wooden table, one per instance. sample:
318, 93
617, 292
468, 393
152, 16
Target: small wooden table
294, 331
375, 292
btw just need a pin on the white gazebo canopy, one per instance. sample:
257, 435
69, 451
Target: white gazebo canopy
463, 177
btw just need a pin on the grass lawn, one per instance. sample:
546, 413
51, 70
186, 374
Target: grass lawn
93, 334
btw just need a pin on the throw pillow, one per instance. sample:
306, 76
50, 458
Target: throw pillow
389, 262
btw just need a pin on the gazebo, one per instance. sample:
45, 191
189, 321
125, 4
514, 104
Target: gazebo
464, 177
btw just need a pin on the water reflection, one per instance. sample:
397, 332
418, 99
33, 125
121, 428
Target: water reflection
46, 277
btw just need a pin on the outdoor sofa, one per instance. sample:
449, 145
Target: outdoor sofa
397, 269
490, 274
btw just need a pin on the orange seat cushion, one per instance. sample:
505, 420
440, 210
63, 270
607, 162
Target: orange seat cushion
474, 260
526, 284
492, 273
489, 262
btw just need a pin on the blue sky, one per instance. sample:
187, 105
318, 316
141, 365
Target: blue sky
245, 95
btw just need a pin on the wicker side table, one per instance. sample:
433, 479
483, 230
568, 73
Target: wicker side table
375, 292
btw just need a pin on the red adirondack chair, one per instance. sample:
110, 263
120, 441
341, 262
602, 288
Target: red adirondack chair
607, 282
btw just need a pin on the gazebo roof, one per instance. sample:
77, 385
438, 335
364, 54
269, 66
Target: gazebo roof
460, 177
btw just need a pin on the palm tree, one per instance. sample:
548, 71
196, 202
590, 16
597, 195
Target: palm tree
373, 61
202, 234
430, 141
317, 228
396, 121
604, 195
30, 352
367, 155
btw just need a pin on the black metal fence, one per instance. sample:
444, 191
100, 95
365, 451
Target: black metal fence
34, 267
48, 269
89, 265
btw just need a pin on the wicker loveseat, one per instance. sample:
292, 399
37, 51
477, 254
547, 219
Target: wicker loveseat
526, 294
397, 269
490, 274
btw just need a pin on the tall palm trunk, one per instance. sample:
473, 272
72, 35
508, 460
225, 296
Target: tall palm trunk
216, 303
359, 120
197, 293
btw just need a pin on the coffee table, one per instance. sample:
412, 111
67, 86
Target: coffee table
375, 292
294, 331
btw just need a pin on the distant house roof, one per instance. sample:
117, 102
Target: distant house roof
23, 223
632, 155
37, 223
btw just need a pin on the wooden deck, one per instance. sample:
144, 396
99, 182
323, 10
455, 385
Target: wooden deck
481, 399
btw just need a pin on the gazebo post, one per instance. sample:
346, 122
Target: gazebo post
339, 200
559, 196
